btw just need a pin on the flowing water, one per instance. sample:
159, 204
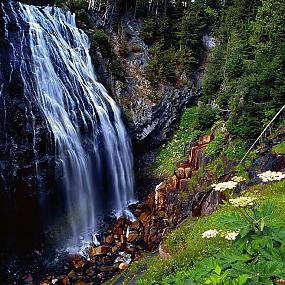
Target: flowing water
91, 145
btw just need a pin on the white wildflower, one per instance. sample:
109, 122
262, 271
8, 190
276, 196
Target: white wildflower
242, 201
231, 235
238, 179
225, 185
210, 233
271, 176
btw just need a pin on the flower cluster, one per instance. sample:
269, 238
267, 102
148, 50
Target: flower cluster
213, 233
224, 186
231, 235
242, 201
238, 179
271, 176
210, 233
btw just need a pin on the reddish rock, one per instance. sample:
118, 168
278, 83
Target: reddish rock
173, 181
159, 198
184, 164
105, 268
150, 201
114, 249
123, 239
180, 173
163, 253
123, 266
205, 139
65, 281
81, 282
184, 185
135, 225
118, 231
77, 261
120, 245
109, 239
132, 236
71, 274
145, 216
188, 172
99, 250
117, 237
121, 222
160, 186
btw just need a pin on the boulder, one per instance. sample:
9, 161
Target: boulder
188, 172
77, 261
180, 173
162, 251
132, 236
99, 250
123, 266
184, 185
145, 216
135, 225
118, 231
109, 239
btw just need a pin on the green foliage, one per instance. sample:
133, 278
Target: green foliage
216, 167
72, 4
161, 68
154, 96
117, 68
176, 38
174, 150
101, 39
246, 70
206, 116
235, 151
279, 148
215, 146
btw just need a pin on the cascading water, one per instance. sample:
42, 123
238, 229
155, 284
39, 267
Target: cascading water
91, 145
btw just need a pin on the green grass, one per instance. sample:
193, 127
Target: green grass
189, 250
173, 151
279, 148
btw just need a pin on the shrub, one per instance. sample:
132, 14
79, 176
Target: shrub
215, 147
279, 148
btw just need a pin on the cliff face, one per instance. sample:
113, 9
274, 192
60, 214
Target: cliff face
150, 113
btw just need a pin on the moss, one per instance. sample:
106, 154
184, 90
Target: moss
154, 96
193, 182
240, 170
216, 167
215, 147
235, 151
279, 148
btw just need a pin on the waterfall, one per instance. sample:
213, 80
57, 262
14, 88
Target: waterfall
91, 146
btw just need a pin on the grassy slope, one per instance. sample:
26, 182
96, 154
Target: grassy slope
187, 247
174, 150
